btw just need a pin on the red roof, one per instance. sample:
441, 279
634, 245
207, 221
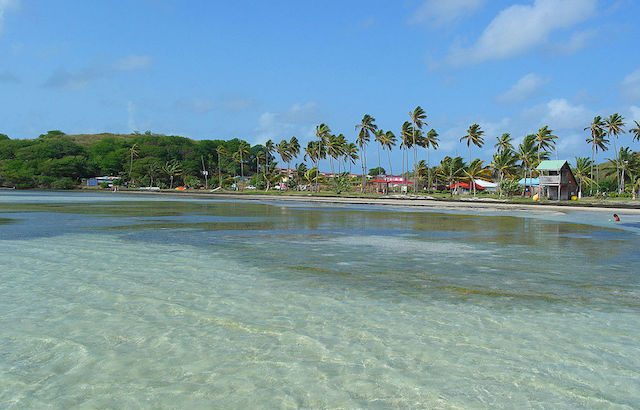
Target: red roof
464, 185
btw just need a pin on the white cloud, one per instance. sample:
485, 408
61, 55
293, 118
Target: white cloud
631, 85
6, 5
577, 41
523, 88
519, 28
133, 62
299, 120
439, 12
560, 114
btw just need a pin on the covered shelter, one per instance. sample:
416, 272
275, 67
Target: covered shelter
384, 182
486, 185
557, 181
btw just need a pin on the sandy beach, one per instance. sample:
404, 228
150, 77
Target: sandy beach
409, 202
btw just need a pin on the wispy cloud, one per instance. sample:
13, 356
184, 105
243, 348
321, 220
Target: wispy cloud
63, 78
577, 41
520, 28
5, 6
631, 85
440, 13
299, 120
7, 77
206, 105
525, 87
133, 62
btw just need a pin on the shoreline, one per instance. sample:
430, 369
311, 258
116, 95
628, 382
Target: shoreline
404, 202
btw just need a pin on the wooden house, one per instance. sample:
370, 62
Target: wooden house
557, 181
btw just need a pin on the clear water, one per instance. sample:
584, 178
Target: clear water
113, 301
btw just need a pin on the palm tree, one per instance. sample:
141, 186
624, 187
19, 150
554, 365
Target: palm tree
527, 155
504, 163
597, 141
334, 150
582, 172
367, 126
389, 141
505, 143
451, 170
636, 131
242, 152
294, 150
282, 148
351, 154
418, 120
476, 170
379, 138
545, 140
222, 152
625, 163
614, 125
406, 135
172, 169
430, 140
152, 169
133, 153
473, 136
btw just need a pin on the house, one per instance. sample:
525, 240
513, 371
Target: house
96, 181
464, 187
487, 186
557, 181
530, 185
383, 183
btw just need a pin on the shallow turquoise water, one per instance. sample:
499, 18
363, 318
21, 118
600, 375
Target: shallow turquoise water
110, 301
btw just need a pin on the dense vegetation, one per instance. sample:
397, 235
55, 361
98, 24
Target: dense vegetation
56, 160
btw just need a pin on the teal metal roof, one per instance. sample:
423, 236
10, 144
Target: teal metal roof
551, 165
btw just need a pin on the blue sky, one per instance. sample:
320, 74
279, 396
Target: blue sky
273, 69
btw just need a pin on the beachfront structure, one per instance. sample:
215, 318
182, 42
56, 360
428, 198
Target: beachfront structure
96, 181
487, 186
383, 183
530, 185
557, 181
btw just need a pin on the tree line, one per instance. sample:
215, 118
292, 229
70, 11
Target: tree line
57, 160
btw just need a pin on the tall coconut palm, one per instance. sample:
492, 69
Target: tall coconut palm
505, 143
625, 164
430, 140
334, 150
526, 154
474, 171
418, 119
351, 154
133, 153
614, 124
222, 152
504, 164
598, 141
172, 169
406, 136
294, 150
388, 142
366, 127
378, 136
322, 134
635, 131
242, 152
473, 136
545, 140
583, 172
282, 148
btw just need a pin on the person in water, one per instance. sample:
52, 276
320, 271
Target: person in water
616, 218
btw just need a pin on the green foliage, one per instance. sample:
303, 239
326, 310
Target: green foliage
377, 171
510, 187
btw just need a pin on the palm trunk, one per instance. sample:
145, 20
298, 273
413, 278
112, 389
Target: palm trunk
390, 166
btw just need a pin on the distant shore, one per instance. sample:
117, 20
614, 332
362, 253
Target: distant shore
413, 201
